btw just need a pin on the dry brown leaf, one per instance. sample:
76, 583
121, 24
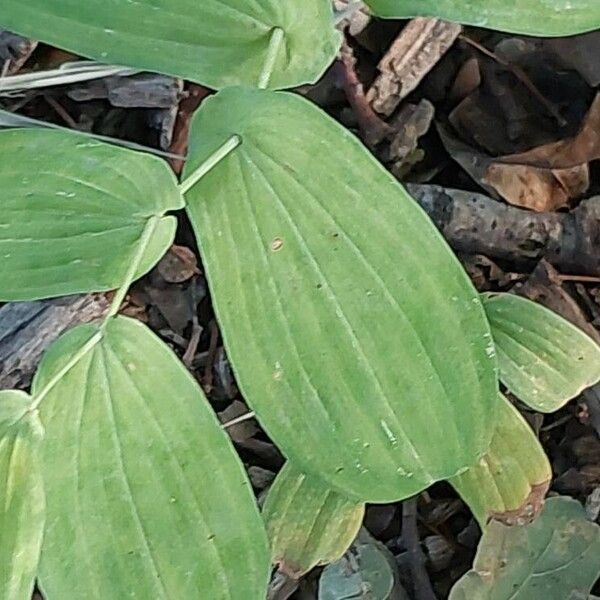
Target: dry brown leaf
570, 152
178, 265
542, 179
541, 190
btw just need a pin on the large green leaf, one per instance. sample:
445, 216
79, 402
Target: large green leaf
146, 496
22, 506
308, 523
532, 17
510, 482
544, 360
73, 213
354, 332
213, 42
555, 557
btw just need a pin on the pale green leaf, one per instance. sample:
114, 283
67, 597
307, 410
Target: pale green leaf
22, 506
555, 557
366, 572
354, 332
146, 496
213, 42
532, 17
544, 360
308, 523
73, 213
509, 483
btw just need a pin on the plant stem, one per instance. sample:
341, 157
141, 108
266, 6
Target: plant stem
245, 417
272, 52
87, 347
120, 294
216, 157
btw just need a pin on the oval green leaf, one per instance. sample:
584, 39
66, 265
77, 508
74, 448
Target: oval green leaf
145, 491
355, 334
308, 523
213, 42
530, 17
556, 556
368, 571
74, 212
22, 504
510, 482
544, 360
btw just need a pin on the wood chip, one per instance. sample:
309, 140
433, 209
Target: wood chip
418, 48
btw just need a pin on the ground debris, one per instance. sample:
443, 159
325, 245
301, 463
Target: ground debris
416, 50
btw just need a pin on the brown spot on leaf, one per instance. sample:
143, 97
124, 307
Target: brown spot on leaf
528, 511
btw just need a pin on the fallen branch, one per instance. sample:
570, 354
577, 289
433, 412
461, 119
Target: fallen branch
476, 224
28, 328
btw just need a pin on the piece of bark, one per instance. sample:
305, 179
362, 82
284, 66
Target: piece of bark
355, 16
14, 51
28, 328
476, 224
411, 123
416, 50
145, 90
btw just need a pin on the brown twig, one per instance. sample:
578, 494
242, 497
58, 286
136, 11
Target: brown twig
190, 351
207, 378
373, 129
520, 74
61, 112
416, 558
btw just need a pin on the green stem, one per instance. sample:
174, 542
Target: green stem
87, 347
272, 52
231, 144
120, 294
216, 157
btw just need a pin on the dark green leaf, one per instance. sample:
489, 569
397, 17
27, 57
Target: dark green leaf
532, 17
511, 480
308, 523
146, 495
74, 212
355, 334
555, 557
213, 42
544, 360
22, 505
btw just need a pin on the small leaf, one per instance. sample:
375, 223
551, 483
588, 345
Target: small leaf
556, 556
74, 211
355, 344
366, 572
213, 42
510, 482
308, 523
21, 496
145, 492
531, 17
544, 360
